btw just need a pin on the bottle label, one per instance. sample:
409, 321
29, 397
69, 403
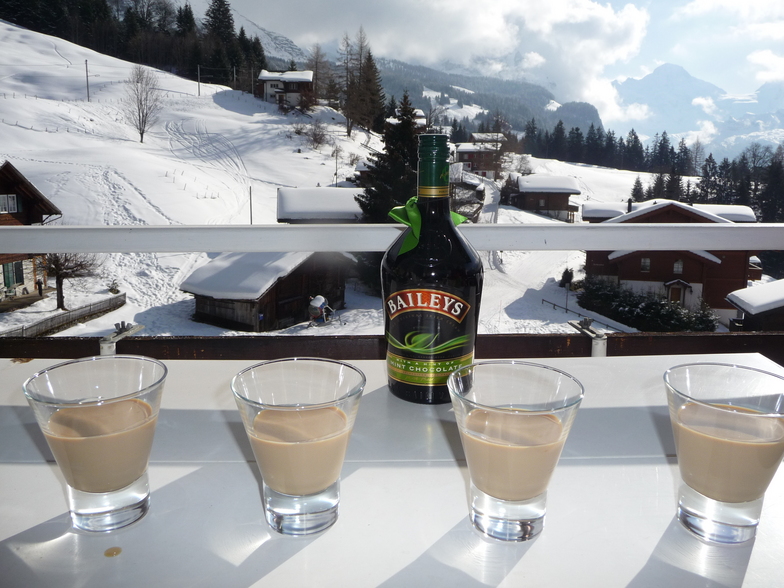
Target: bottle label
428, 336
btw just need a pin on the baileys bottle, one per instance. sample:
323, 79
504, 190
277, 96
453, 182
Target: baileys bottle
431, 280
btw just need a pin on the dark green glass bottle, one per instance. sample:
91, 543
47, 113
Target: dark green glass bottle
431, 288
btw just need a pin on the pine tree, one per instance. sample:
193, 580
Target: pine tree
708, 184
219, 22
558, 148
638, 192
575, 146
634, 154
185, 22
392, 174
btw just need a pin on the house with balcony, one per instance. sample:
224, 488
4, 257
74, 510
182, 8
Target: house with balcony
21, 203
683, 277
284, 88
544, 194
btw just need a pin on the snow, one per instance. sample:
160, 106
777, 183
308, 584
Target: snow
242, 276
212, 150
286, 76
759, 298
327, 204
547, 183
715, 212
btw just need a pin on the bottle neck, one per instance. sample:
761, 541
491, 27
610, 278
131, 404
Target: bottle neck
433, 187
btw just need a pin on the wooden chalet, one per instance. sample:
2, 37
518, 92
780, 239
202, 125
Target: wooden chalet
761, 307
542, 194
685, 277
21, 203
265, 291
284, 88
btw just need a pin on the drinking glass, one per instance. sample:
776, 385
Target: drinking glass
298, 414
728, 424
98, 415
514, 418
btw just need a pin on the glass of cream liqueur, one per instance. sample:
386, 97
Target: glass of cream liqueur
513, 418
98, 416
728, 425
298, 414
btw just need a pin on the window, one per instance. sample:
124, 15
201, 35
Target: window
677, 267
13, 274
8, 203
645, 264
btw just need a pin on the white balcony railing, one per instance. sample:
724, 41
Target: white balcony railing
361, 237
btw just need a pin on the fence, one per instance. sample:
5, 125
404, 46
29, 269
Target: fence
65, 319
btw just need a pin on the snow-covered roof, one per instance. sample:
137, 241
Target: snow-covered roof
703, 254
318, 204
546, 183
241, 276
611, 210
474, 147
758, 298
286, 76
488, 137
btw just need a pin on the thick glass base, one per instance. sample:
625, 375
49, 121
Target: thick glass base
507, 520
107, 511
719, 522
301, 515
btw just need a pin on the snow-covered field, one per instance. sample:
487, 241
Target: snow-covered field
210, 151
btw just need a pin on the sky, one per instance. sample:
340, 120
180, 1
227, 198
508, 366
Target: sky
576, 48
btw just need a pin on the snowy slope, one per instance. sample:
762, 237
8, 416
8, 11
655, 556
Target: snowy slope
211, 149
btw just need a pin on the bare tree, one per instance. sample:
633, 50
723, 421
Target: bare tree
143, 100
64, 266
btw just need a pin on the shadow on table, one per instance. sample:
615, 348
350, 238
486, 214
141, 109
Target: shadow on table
463, 557
204, 529
682, 560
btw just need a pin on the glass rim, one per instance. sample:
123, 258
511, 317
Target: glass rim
578, 397
92, 401
355, 390
713, 405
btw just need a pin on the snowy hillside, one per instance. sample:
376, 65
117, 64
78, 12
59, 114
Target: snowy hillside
210, 151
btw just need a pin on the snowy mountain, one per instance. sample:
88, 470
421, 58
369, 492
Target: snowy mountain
686, 106
276, 46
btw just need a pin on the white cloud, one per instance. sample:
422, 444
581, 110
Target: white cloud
707, 105
770, 65
706, 133
747, 10
532, 60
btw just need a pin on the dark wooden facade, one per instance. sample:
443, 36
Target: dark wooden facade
677, 273
285, 303
22, 204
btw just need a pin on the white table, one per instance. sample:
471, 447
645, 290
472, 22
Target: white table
403, 519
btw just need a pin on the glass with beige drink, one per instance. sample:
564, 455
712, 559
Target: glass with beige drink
728, 424
98, 415
298, 414
514, 418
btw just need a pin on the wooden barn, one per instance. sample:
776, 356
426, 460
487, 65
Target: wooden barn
761, 307
685, 277
21, 203
266, 291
